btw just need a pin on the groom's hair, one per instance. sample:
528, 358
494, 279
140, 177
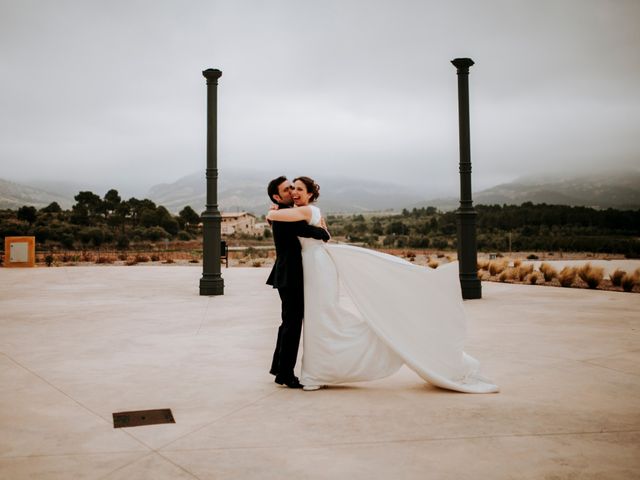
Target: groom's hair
272, 189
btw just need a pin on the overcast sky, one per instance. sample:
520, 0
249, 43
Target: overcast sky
111, 92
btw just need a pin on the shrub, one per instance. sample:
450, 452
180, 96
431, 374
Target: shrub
483, 264
257, 263
155, 233
100, 260
131, 261
194, 260
155, 257
517, 263
433, 263
628, 282
122, 243
616, 277
497, 267
548, 272
523, 271
533, 278
567, 276
590, 275
122, 256
141, 258
503, 276
410, 254
532, 257
169, 260
48, 259
513, 273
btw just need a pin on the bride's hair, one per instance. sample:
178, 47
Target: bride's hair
312, 187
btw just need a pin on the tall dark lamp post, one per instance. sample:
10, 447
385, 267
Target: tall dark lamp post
211, 282
467, 247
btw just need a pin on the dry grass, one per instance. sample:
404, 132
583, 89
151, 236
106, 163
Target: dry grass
628, 282
168, 260
100, 260
567, 276
257, 263
517, 263
483, 264
548, 272
497, 267
616, 277
533, 278
131, 261
503, 276
523, 271
591, 275
122, 256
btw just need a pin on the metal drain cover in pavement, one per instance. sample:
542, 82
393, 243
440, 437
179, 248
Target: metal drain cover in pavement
142, 417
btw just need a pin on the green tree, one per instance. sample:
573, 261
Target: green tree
189, 216
79, 214
27, 214
89, 200
398, 228
110, 202
53, 207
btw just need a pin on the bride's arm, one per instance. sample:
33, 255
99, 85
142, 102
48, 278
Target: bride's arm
290, 214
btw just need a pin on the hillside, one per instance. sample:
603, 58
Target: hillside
14, 195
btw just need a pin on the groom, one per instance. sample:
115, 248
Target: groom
286, 276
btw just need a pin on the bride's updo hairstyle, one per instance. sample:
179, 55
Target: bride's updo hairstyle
312, 187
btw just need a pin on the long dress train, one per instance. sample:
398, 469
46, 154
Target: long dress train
405, 314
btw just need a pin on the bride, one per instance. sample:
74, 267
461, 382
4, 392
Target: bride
404, 313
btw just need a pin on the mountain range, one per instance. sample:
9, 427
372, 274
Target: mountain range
246, 191
619, 190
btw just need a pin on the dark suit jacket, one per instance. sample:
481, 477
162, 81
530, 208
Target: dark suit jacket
287, 271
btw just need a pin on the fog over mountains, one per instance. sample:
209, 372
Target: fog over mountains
246, 190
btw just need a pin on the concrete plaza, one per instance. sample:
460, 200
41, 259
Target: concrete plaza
79, 343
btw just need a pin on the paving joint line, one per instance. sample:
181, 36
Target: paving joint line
410, 440
609, 368
73, 399
219, 418
204, 315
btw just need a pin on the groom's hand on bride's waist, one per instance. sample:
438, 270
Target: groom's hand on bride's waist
323, 224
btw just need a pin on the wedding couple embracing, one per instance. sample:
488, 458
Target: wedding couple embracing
404, 313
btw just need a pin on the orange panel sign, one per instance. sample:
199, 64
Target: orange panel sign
19, 252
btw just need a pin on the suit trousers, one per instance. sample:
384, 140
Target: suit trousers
286, 352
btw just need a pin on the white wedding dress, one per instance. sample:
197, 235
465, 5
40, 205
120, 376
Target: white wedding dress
404, 314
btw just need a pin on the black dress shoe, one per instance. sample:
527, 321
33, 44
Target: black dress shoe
291, 382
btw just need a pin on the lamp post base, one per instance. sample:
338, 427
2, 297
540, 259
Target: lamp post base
471, 287
210, 285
